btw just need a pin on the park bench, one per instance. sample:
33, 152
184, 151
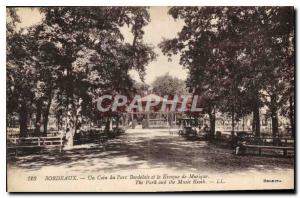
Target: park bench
91, 135
16, 144
270, 143
260, 147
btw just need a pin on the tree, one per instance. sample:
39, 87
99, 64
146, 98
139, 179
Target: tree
168, 85
204, 52
72, 58
140, 88
92, 56
20, 71
229, 52
280, 62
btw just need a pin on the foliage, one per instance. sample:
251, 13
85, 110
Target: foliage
74, 56
169, 85
235, 54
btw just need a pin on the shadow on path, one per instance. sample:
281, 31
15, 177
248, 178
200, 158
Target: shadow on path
142, 149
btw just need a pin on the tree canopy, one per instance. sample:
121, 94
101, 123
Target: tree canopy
169, 85
235, 55
73, 56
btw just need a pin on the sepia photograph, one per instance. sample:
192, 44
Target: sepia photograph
150, 99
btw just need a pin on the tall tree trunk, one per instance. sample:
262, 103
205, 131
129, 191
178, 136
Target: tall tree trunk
58, 121
255, 113
232, 122
256, 120
70, 126
275, 125
46, 114
291, 115
38, 116
253, 123
23, 119
73, 120
232, 142
126, 120
107, 125
117, 121
212, 121
59, 113
274, 115
70, 123
243, 122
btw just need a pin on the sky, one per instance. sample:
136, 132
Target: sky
161, 26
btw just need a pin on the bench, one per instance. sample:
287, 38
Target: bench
260, 147
34, 142
270, 143
91, 136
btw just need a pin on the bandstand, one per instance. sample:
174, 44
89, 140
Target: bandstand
155, 117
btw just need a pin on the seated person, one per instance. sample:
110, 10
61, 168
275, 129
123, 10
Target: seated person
240, 144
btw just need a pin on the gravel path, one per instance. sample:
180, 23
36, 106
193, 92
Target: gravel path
150, 149
144, 152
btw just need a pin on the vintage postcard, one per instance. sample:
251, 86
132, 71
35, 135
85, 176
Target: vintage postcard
150, 99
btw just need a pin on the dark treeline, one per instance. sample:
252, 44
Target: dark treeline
69, 59
239, 59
